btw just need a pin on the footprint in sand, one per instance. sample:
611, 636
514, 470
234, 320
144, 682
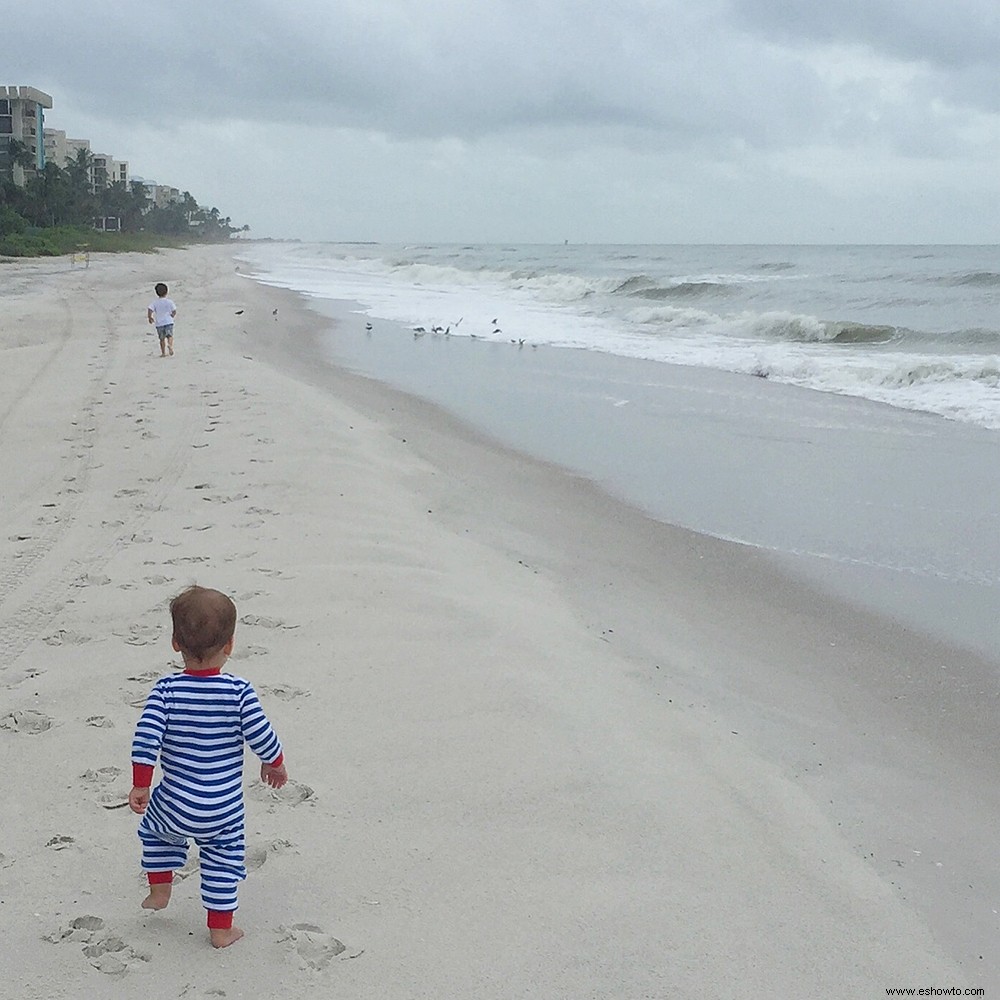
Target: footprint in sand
105, 951
99, 722
100, 779
245, 652
265, 622
60, 842
292, 794
113, 800
315, 948
147, 677
64, 637
26, 720
257, 856
101, 775
286, 692
142, 635
92, 580
28, 674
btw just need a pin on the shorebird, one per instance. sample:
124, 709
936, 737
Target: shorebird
275, 314
239, 312
368, 327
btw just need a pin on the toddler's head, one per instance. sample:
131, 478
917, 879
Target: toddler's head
161, 289
204, 622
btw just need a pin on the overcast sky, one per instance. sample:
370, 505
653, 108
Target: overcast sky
660, 121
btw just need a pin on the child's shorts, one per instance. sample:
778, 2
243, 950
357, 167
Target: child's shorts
165, 331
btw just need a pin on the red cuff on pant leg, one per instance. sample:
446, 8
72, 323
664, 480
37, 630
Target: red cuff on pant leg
219, 920
160, 878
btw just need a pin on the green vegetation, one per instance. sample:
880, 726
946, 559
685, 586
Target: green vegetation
54, 212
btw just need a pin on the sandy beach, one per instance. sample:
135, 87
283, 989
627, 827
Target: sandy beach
540, 744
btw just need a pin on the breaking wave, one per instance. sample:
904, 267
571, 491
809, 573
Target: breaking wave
977, 279
810, 330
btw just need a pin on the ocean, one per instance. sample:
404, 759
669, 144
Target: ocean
838, 407
914, 327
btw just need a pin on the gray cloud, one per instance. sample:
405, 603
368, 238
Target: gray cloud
668, 96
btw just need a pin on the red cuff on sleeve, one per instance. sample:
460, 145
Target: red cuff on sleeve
142, 775
278, 761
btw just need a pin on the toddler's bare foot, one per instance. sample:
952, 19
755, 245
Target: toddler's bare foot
223, 937
159, 896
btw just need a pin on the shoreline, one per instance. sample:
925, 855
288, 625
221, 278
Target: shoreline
539, 741
883, 508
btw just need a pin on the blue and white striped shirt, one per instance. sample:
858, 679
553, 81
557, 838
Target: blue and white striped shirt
196, 725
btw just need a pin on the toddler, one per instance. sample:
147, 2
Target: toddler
196, 723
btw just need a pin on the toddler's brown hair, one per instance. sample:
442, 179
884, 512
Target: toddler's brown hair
204, 621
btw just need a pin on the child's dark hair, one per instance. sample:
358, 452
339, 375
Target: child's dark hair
204, 621
161, 289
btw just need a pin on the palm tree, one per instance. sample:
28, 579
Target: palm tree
49, 199
21, 158
80, 170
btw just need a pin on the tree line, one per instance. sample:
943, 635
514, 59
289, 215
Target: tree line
79, 193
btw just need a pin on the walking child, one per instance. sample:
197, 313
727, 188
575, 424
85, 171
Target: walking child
196, 723
161, 312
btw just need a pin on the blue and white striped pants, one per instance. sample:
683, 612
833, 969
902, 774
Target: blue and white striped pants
223, 854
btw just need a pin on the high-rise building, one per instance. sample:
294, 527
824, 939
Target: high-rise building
22, 118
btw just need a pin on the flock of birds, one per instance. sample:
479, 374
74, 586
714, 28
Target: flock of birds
419, 331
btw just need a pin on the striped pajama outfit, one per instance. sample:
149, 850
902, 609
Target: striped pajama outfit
196, 724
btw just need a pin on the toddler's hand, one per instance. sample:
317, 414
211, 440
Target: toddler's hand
273, 776
138, 799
